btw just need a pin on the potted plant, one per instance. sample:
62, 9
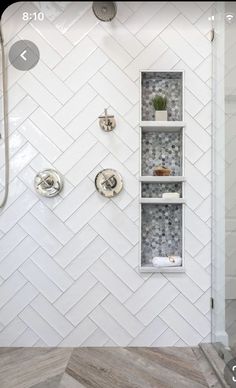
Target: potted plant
159, 104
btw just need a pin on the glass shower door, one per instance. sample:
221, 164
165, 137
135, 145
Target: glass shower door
224, 174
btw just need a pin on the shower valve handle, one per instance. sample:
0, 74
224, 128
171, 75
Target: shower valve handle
107, 122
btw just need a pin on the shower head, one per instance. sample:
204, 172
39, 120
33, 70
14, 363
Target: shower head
104, 10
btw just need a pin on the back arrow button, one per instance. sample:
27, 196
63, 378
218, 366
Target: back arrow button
23, 55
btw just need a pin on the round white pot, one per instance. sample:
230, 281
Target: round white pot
161, 115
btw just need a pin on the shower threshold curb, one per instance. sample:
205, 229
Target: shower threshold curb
216, 362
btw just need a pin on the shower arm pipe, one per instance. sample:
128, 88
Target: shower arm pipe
5, 121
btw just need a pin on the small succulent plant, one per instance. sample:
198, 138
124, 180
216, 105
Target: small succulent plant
159, 102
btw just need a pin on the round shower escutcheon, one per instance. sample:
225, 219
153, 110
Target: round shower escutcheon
109, 183
48, 183
105, 11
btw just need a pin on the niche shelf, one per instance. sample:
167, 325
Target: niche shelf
162, 125
161, 143
150, 178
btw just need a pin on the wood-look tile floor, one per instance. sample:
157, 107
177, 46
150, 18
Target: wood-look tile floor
104, 368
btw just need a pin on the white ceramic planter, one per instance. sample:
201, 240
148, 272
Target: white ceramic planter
161, 115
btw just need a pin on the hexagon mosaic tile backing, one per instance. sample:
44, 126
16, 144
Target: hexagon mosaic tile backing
165, 84
161, 148
161, 231
154, 190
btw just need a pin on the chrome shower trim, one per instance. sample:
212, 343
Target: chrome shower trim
5, 120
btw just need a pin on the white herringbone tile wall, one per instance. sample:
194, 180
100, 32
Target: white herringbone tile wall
69, 265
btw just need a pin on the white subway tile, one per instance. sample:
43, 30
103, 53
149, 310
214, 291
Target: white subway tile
51, 316
87, 163
193, 106
52, 36
168, 338
38, 92
56, 227
185, 285
86, 212
86, 70
51, 129
73, 294
14, 24
17, 210
52, 269
126, 133
81, 27
27, 339
88, 116
197, 133
192, 315
204, 163
41, 142
140, 298
200, 183
97, 338
106, 323
75, 58
40, 234
166, 61
110, 281
52, 82
150, 333
110, 46
17, 257
16, 189
112, 95
157, 23
33, 320
194, 84
15, 95
192, 11
121, 222
17, 303
75, 105
70, 15
113, 143
10, 287
192, 151
107, 231
157, 303
83, 308
146, 58
20, 160
75, 199
120, 80
79, 334
122, 35
181, 47
129, 322
142, 15
86, 258
75, 246
198, 274
10, 333
75, 152
204, 117
186, 332
191, 34
40, 281
20, 113
122, 269
47, 52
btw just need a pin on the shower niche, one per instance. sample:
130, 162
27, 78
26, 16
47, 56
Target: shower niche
162, 173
